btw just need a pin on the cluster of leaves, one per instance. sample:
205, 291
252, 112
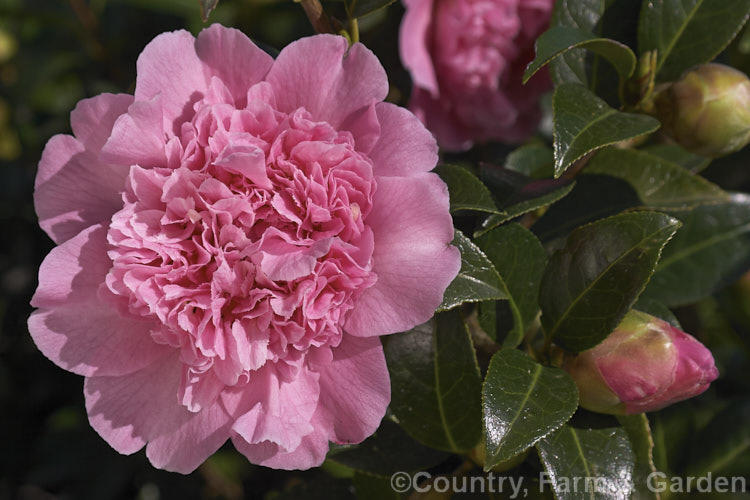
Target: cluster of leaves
558, 244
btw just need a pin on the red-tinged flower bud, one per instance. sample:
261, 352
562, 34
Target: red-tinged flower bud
708, 110
644, 365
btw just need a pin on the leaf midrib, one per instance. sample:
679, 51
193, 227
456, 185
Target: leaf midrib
537, 374
678, 35
668, 261
580, 451
562, 318
438, 394
609, 112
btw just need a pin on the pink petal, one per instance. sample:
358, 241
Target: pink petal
73, 190
249, 161
92, 119
183, 448
170, 67
229, 55
276, 411
414, 44
434, 113
199, 390
142, 407
286, 262
354, 393
311, 452
138, 136
413, 258
355, 390
128, 411
73, 271
405, 146
93, 339
365, 127
344, 81
80, 333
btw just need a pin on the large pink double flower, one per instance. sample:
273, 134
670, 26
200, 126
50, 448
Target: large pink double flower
232, 240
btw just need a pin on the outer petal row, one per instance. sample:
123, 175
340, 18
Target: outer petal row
179, 68
73, 189
414, 44
141, 408
73, 327
354, 393
344, 82
413, 257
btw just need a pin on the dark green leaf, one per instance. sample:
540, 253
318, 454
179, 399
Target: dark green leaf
369, 487
620, 22
639, 434
657, 309
435, 382
523, 402
518, 194
711, 249
613, 19
593, 197
580, 14
519, 259
476, 281
206, 7
595, 279
387, 451
602, 454
660, 184
487, 317
560, 39
532, 160
688, 32
541, 193
584, 123
363, 7
725, 439
676, 154
466, 191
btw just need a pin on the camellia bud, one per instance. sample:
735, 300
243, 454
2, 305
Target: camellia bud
708, 110
644, 365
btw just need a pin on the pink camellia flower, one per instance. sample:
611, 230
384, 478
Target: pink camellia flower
466, 59
644, 365
232, 240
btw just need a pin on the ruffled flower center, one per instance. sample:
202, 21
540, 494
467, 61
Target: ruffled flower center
250, 246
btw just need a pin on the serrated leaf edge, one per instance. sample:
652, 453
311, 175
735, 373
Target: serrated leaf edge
446, 429
582, 45
559, 170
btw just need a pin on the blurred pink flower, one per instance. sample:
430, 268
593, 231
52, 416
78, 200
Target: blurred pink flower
644, 365
232, 240
466, 59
